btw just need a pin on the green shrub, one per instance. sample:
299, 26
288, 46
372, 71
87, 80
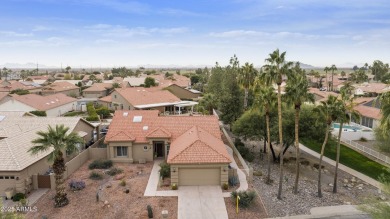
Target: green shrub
76, 185
165, 170
113, 171
246, 198
174, 186
363, 139
39, 113
225, 186
74, 113
95, 175
150, 211
92, 118
233, 181
123, 182
104, 111
18, 196
245, 152
100, 164
20, 92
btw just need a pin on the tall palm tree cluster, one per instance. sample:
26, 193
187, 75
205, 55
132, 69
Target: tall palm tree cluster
276, 71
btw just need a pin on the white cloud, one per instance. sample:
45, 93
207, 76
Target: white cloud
40, 28
122, 31
15, 34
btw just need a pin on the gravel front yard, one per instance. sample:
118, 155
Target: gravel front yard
351, 190
114, 202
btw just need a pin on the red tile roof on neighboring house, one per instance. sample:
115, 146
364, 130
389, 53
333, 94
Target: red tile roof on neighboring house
370, 112
207, 138
107, 99
142, 96
321, 94
98, 76
24, 85
44, 102
197, 146
99, 87
179, 80
60, 86
373, 87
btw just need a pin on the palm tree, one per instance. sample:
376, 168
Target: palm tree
275, 69
385, 110
267, 99
343, 74
209, 102
329, 110
333, 68
346, 113
297, 92
326, 69
246, 78
58, 140
317, 76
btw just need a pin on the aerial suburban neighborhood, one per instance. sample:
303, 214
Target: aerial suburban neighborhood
194, 110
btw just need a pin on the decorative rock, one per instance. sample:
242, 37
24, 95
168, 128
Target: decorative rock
347, 203
108, 206
350, 186
106, 202
330, 184
164, 213
382, 197
108, 185
345, 181
360, 185
127, 190
379, 191
353, 180
360, 188
119, 176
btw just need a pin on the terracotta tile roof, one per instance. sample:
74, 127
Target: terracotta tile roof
370, 112
60, 86
134, 81
44, 102
194, 139
124, 135
142, 96
159, 133
175, 125
179, 80
373, 87
361, 100
107, 99
24, 85
197, 146
321, 95
99, 87
99, 76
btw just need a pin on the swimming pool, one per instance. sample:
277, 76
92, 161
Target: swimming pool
347, 128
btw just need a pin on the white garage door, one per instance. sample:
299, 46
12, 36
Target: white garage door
199, 176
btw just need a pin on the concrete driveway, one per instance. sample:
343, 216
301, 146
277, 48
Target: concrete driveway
201, 202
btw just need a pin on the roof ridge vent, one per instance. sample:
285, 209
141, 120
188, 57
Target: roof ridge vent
137, 119
125, 114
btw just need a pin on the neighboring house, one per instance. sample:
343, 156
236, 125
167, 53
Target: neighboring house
184, 93
106, 101
17, 130
133, 81
97, 90
179, 80
41, 79
371, 89
63, 87
321, 95
54, 105
98, 77
143, 98
8, 86
370, 113
192, 145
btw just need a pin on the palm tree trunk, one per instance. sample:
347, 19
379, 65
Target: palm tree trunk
246, 99
332, 79
297, 148
268, 180
337, 159
321, 156
280, 142
60, 198
326, 81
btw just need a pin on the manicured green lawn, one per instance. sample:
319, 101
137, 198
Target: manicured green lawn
349, 158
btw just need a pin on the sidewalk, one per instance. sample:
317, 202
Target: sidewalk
151, 187
330, 212
355, 173
240, 173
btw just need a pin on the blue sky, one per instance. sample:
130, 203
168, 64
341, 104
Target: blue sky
110, 33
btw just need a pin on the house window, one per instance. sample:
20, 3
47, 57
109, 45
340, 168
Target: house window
114, 96
129, 108
121, 151
6, 177
1, 177
168, 147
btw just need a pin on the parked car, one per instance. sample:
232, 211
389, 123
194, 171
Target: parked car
104, 131
322, 89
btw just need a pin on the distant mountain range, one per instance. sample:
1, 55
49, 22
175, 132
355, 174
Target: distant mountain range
26, 65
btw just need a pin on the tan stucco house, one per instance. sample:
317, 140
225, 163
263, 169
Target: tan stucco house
17, 130
192, 145
61, 87
184, 93
54, 105
97, 90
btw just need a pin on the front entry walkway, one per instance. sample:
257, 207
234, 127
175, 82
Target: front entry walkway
201, 202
